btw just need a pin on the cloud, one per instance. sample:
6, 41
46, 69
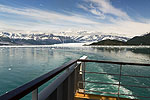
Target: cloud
92, 10
105, 7
125, 28
31, 19
47, 16
121, 23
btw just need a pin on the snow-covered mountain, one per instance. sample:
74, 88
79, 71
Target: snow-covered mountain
20, 38
29, 36
86, 36
95, 38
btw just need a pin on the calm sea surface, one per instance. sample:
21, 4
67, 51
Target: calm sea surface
19, 65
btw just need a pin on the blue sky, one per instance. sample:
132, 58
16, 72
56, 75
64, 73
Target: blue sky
127, 17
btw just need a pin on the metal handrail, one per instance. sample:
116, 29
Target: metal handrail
115, 74
120, 75
23, 90
113, 62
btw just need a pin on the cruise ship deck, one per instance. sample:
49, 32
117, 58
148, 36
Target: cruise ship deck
82, 96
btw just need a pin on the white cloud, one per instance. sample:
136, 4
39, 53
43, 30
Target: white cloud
83, 7
44, 21
93, 10
48, 16
121, 24
105, 7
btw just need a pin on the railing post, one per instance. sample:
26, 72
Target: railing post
82, 74
119, 81
35, 94
67, 86
76, 77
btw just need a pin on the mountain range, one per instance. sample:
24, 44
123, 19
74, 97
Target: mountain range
48, 39
137, 40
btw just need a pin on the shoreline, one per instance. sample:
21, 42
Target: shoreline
78, 45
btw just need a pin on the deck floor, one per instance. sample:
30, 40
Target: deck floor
81, 96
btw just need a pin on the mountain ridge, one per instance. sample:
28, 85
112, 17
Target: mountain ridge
48, 39
137, 40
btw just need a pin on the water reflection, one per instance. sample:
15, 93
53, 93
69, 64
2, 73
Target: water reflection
140, 50
134, 52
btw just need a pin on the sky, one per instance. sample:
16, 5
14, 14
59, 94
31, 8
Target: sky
126, 17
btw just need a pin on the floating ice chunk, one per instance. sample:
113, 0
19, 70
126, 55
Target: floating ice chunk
9, 68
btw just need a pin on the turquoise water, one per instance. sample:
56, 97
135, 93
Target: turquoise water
19, 65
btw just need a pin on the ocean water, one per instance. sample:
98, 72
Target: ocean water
19, 65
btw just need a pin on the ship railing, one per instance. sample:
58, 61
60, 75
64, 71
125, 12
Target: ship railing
65, 85
62, 88
119, 80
